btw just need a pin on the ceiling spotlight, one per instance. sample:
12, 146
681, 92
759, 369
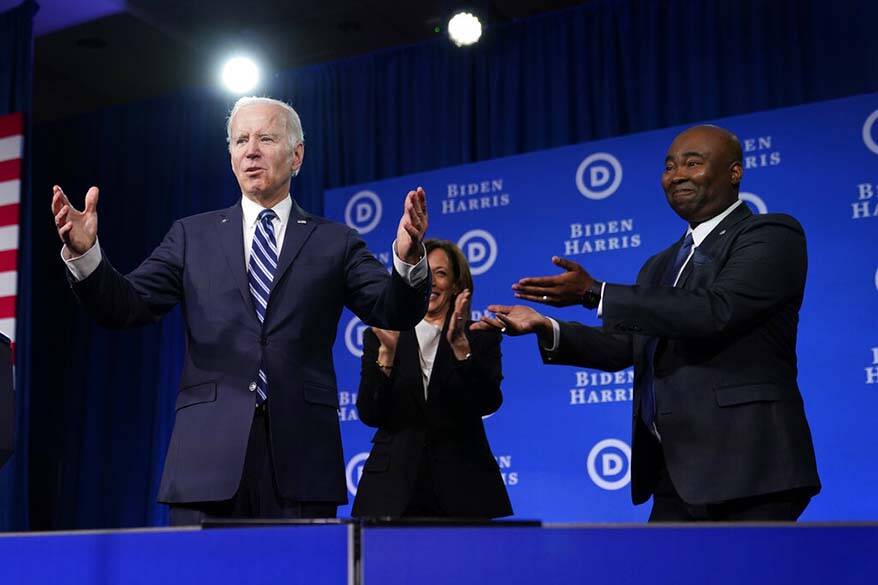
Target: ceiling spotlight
240, 74
464, 29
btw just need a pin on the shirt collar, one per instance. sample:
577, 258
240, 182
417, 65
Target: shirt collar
702, 230
251, 210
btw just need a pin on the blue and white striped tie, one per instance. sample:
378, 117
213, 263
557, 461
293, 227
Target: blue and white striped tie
263, 264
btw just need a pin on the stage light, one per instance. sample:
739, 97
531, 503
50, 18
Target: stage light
464, 29
240, 74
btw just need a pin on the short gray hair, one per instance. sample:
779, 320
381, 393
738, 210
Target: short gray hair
294, 125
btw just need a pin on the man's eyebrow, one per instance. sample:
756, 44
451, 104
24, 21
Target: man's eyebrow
686, 154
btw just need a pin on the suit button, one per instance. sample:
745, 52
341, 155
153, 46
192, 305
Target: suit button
263, 341
252, 387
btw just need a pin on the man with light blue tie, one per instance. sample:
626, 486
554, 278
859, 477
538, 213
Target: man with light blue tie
262, 285
719, 429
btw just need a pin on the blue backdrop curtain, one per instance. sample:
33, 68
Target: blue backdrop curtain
16, 59
102, 417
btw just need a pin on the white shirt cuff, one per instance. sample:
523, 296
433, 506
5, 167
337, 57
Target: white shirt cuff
601, 302
413, 274
81, 267
556, 335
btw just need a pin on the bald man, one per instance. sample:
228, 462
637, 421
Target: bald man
719, 428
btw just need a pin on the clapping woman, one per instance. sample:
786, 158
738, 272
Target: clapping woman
426, 390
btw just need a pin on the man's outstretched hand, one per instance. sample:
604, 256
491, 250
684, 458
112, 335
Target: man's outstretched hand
515, 320
561, 290
412, 227
78, 230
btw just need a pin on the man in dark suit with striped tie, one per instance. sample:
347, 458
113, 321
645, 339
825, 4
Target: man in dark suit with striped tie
719, 428
262, 285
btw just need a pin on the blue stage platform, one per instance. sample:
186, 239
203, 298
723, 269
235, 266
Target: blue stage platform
312, 554
450, 554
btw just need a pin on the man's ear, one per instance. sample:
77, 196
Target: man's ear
737, 172
298, 156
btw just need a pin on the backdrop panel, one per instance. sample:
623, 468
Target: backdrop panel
562, 435
102, 410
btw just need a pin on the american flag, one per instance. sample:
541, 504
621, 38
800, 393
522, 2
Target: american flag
11, 142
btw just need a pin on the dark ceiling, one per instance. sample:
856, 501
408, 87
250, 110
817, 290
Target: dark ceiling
154, 47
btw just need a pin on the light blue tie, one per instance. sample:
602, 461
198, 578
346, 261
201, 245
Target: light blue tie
263, 264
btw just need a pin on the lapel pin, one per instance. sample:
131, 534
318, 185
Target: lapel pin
225, 220
301, 221
722, 232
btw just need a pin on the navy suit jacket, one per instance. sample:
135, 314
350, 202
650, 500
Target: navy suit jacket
323, 267
728, 405
447, 428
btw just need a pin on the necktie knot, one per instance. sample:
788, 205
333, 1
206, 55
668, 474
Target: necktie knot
266, 215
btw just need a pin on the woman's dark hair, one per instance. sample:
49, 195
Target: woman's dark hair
461, 275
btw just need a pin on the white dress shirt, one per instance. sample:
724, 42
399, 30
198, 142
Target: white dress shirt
428, 344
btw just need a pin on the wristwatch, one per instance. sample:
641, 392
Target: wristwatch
592, 296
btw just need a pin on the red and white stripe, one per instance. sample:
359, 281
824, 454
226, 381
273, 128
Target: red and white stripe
11, 143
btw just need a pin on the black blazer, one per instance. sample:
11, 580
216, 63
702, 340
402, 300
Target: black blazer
447, 427
323, 267
728, 406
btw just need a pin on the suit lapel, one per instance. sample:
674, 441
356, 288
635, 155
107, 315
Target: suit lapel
299, 228
231, 237
440, 364
410, 354
656, 270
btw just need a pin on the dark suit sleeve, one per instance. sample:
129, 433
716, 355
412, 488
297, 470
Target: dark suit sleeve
141, 297
590, 347
379, 299
765, 269
473, 385
374, 400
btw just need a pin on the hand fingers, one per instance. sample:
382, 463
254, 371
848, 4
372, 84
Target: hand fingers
500, 308
61, 216
415, 218
417, 215
566, 264
413, 203
91, 200
461, 301
536, 291
538, 281
492, 323
421, 199
542, 299
64, 230
59, 199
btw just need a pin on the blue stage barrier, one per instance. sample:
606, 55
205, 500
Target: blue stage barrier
562, 437
621, 555
316, 555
